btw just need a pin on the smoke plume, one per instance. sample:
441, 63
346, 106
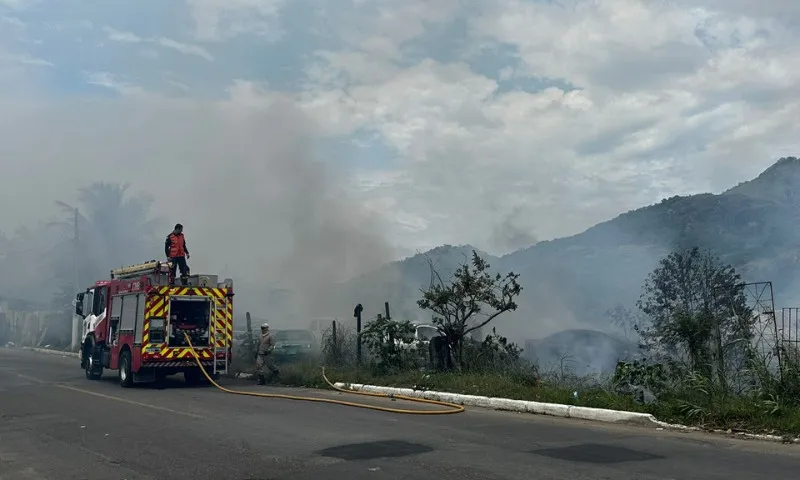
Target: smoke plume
258, 202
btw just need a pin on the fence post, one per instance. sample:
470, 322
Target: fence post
249, 328
335, 344
357, 314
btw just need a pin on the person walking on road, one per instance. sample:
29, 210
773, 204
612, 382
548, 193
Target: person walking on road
177, 253
264, 355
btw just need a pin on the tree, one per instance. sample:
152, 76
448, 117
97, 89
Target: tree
697, 307
113, 229
471, 299
624, 320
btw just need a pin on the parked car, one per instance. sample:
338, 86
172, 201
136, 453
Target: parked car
294, 343
422, 335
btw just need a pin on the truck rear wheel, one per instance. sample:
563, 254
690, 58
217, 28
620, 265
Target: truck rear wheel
194, 376
125, 374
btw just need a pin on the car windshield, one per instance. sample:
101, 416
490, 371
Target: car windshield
293, 336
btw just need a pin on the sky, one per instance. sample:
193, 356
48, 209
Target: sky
411, 123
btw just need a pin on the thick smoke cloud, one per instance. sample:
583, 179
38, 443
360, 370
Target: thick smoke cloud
259, 203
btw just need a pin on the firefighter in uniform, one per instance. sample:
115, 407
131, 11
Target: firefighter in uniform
264, 355
176, 251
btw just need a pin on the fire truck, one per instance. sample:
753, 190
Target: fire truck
137, 322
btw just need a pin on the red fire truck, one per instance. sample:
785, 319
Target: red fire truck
137, 323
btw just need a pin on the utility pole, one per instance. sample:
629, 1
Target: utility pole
75, 251
76, 320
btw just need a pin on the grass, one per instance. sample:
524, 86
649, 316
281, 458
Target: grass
737, 414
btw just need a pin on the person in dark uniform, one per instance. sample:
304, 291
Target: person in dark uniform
266, 344
176, 251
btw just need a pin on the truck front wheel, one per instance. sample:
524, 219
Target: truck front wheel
125, 374
91, 360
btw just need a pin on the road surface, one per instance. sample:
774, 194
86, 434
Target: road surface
55, 424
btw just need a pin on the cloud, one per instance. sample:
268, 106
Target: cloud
458, 121
16, 4
117, 36
184, 48
24, 59
218, 20
113, 82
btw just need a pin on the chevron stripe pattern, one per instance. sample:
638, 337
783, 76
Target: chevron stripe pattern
157, 306
199, 291
186, 363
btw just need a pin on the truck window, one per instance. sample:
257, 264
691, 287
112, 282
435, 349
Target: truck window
113, 324
88, 302
99, 303
128, 318
140, 312
79, 303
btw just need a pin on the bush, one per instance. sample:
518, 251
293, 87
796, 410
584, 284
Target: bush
391, 345
339, 346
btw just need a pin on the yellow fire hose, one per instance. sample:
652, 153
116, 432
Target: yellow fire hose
451, 407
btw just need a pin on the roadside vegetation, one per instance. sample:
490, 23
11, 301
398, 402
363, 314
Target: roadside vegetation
707, 357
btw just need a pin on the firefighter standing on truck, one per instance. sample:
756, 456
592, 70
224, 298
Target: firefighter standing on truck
177, 253
264, 355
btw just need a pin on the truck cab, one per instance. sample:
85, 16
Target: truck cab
90, 306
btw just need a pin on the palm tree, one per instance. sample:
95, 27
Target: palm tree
118, 224
108, 230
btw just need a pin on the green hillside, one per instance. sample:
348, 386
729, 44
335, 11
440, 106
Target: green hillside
570, 282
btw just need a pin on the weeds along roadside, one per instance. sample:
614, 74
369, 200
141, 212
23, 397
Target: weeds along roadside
495, 368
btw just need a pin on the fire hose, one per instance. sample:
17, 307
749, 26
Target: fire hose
451, 407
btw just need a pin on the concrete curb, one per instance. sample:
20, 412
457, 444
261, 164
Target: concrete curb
53, 352
522, 406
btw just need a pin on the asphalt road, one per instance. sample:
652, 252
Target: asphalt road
55, 424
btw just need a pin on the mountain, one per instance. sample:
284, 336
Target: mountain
570, 282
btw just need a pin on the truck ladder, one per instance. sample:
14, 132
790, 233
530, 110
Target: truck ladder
133, 271
220, 365
219, 333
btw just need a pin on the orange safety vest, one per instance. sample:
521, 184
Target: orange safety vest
176, 247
